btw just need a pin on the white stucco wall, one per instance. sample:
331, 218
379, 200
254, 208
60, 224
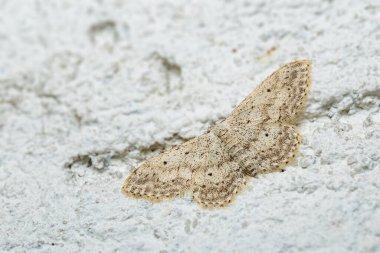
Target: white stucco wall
90, 89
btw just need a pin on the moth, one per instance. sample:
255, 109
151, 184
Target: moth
259, 136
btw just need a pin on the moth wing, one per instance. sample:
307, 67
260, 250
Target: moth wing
167, 175
199, 165
260, 148
216, 180
278, 98
218, 185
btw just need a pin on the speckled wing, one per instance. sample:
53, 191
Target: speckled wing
217, 182
167, 175
199, 165
217, 186
259, 148
278, 98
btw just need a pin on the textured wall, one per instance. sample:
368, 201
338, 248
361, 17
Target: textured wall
90, 89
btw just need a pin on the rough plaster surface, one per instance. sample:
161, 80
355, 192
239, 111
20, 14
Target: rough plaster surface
89, 89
